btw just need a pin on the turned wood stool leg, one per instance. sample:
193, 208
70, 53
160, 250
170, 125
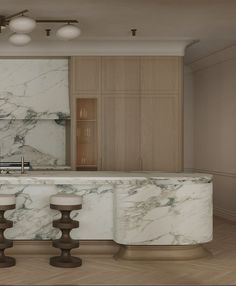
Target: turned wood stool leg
5, 261
65, 243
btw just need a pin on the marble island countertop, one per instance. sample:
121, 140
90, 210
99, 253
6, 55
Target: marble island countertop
76, 177
131, 208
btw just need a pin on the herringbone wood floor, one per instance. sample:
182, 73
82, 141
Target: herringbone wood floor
220, 269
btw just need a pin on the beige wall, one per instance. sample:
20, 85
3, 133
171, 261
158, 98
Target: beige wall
214, 121
188, 119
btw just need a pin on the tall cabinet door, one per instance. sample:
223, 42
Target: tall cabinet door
121, 147
121, 113
161, 113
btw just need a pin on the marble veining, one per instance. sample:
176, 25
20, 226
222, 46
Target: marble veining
42, 142
136, 209
34, 104
164, 214
34, 88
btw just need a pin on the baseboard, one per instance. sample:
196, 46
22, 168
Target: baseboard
32, 247
226, 214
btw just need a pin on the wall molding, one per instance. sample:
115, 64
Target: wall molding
218, 211
226, 54
214, 172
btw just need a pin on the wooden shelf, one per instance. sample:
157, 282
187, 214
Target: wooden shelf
86, 166
86, 120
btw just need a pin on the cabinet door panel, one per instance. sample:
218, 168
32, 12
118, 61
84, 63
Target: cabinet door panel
120, 75
121, 131
159, 133
160, 75
86, 75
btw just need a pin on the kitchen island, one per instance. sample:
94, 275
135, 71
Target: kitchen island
138, 208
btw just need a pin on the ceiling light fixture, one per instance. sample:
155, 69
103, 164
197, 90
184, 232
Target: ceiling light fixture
19, 39
68, 32
22, 26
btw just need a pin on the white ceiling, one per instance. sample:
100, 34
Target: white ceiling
212, 22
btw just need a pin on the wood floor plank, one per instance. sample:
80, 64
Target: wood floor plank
218, 269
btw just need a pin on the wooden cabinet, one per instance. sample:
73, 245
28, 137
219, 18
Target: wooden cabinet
85, 76
120, 75
161, 113
134, 113
160, 75
159, 134
120, 113
121, 131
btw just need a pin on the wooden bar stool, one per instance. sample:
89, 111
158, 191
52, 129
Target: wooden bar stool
65, 204
7, 202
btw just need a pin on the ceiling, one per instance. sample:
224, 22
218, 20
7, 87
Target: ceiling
212, 22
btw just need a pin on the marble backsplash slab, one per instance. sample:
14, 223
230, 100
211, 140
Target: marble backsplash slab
34, 104
42, 142
34, 88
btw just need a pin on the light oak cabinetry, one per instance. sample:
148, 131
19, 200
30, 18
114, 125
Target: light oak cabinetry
121, 133
85, 101
120, 75
161, 75
161, 113
139, 111
86, 131
120, 113
85, 76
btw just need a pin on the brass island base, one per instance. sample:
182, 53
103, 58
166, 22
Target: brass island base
154, 252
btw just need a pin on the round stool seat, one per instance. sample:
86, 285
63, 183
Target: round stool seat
65, 200
6, 200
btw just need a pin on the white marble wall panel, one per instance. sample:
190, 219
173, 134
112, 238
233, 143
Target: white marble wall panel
34, 88
34, 102
42, 142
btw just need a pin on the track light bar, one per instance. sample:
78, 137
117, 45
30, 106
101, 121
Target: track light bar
4, 20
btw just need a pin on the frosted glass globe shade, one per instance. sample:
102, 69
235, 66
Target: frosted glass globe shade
19, 39
22, 25
68, 32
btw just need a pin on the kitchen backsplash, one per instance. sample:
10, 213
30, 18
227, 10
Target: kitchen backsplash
34, 104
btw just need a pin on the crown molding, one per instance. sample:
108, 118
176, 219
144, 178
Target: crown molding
217, 57
98, 47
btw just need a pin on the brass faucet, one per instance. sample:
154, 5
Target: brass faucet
22, 165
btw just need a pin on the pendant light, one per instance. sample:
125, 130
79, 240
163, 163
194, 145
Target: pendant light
68, 32
22, 25
19, 39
